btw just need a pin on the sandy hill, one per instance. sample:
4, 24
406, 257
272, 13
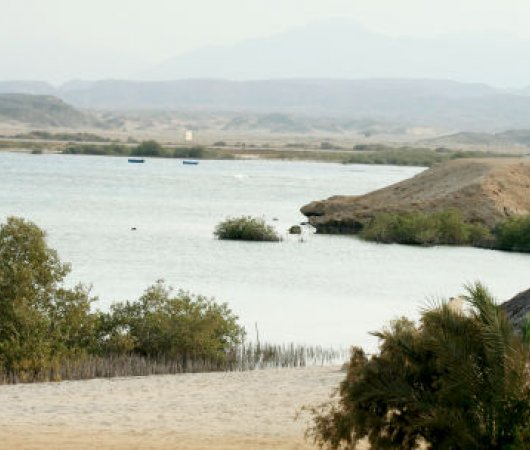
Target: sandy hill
508, 138
484, 190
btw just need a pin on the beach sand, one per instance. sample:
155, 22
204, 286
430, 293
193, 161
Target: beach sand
238, 410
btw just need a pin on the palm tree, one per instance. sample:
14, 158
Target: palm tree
458, 380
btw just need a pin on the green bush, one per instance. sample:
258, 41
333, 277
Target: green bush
458, 380
514, 234
295, 229
246, 228
181, 327
190, 152
91, 149
149, 148
440, 228
40, 320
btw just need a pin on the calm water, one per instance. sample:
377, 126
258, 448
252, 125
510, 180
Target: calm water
325, 290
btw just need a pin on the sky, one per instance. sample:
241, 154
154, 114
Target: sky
58, 40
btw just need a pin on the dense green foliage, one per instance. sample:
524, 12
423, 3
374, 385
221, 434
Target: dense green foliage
45, 326
409, 156
94, 149
447, 227
41, 322
246, 228
179, 327
146, 148
444, 227
514, 234
458, 380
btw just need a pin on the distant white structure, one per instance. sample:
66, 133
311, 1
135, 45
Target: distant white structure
188, 135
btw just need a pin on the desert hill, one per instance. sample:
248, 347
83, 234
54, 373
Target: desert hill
508, 138
41, 110
446, 105
484, 190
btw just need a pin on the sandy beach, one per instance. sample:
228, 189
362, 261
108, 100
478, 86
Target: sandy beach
242, 410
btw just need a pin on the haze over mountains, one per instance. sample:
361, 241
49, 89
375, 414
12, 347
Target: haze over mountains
344, 49
335, 70
331, 48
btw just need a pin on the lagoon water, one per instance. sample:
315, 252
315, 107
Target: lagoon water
329, 290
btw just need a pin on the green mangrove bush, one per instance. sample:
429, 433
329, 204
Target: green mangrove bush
246, 228
457, 380
41, 321
416, 228
409, 156
175, 326
514, 234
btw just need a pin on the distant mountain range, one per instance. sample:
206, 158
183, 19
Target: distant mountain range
443, 104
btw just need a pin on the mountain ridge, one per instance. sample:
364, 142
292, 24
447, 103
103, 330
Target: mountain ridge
443, 104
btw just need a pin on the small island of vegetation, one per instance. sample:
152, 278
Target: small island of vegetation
246, 228
150, 148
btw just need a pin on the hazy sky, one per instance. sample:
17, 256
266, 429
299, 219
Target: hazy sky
58, 40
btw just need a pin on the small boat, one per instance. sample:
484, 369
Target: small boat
193, 162
136, 160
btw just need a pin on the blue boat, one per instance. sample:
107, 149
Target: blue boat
136, 160
193, 162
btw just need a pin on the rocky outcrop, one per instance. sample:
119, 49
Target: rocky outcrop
483, 190
518, 308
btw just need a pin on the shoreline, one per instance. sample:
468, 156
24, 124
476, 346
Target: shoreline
234, 410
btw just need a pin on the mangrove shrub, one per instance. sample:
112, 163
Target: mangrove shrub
246, 228
175, 326
514, 234
444, 227
41, 321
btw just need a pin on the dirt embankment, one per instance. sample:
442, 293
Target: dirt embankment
518, 308
484, 190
